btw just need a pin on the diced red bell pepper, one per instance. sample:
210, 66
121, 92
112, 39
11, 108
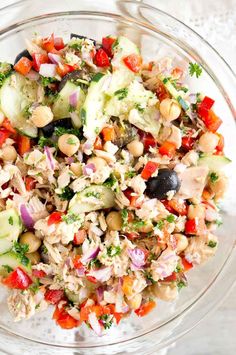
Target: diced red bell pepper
195, 226
4, 134
221, 143
38, 273
54, 218
133, 62
147, 139
48, 43
29, 183
64, 319
79, 237
186, 265
107, 43
54, 296
38, 59
167, 148
23, 145
132, 236
76, 261
132, 199
172, 277
23, 66
149, 169
178, 206
63, 69
17, 279
91, 279
161, 92
187, 142
7, 125
145, 308
59, 43
212, 121
205, 106
98, 144
108, 133
101, 58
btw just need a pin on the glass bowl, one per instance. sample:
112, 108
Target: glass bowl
158, 35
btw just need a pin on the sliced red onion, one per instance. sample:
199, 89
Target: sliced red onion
81, 271
102, 274
49, 158
48, 70
89, 169
100, 294
32, 75
73, 99
55, 58
90, 254
137, 256
93, 321
69, 160
80, 156
26, 217
87, 145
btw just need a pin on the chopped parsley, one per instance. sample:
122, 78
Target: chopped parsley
83, 116
195, 68
121, 94
170, 218
218, 222
71, 108
111, 181
181, 284
139, 108
70, 218
178, 268
130, 174
106, 320
160, 224
10, 220
95, 263
21, 250
138, 224
113, 250
212, 244
93, 194
149, 277
43, 141
75, 43
124, 216
59, 131
45, 81
35, 286
67, 194
71, 141
5, 71
7, 268
214, 177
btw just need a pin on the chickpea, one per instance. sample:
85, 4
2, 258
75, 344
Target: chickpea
196, 211
33, 257
208, 142
41, 116
135, 148
182, 242
135, 302
114, 221
9, 153
99, 163
170, 109
32, 241
219, 186
68, 144
165, 292
76, 168
146, 228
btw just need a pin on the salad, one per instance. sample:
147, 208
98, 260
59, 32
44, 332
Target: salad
110, 177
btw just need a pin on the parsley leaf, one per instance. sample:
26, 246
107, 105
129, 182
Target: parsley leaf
160, 224
71, 141
121, 94
138, 224
43, 141
10, 220
170, 218
218, 222
45, 81
124, 216
67, 194
113, 250
95, 263
35, 286
70, 218
111, 181
214, 177
139, 107
21, 250
149, 277
130, 174
212, 244
106, 320
195, 68
181, 284
59, 131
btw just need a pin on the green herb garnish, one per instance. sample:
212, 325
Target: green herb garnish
113, 250
43, 141
67, 194
97, 77
70, 218
83, 116
212, 244
181, 284
21, 250
121, 94
195, 68
59, 131
7, 268
45, 81
107, 322
10, 220
71, 141
214, 177
111, 181
93, 194
124, 216
95, 263
170, 218
130, 174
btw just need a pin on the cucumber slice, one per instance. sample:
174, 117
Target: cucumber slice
92, 115
61, 107
11, 227
214, 162
93, 198
12, 260
16, 94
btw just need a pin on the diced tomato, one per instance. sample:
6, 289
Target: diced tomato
79, 237
23, 145
108, 133
172, 277
118, 317
54, 218
127, 286
76, 261
17, 279
187, 142
59, 43
98, 144
107, 43
161, 92
149, 169
48, 43
133, 62
167, 148
85, 311
132, 236
64, 320
221, 143
186, 265
101, 58
195, 226
91, 279
147, 139
179, 206
54, 296
205, 106
132, 199
38, 59
29, 183
128, 193
7, 125
145, 308
212, 121
23, 66
38, 273
168, 207
4, 134
63, 69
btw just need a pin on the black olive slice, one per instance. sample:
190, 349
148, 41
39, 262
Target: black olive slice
49, 128
159, 186
24, 53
